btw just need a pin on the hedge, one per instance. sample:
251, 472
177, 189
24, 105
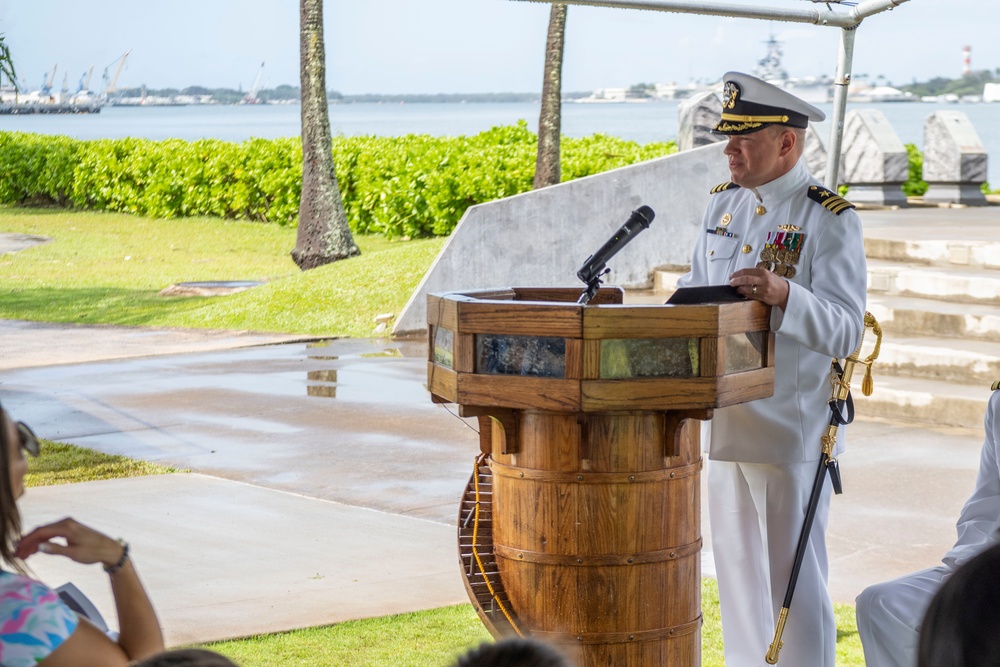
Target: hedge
410, 186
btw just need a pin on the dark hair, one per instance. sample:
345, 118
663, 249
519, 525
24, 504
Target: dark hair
962, 624
10, 517
513, 653
186, 657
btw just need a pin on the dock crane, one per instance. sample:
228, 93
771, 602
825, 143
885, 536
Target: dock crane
251, 96
110, 84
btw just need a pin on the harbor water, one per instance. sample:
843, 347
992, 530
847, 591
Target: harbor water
641, 122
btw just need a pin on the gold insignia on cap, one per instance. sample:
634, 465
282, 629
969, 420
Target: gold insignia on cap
726, 219
789, 228
747, 249
760, 210
729, 95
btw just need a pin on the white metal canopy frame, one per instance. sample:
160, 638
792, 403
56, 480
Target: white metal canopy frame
847, 21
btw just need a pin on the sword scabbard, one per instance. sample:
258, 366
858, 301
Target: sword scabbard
776, 643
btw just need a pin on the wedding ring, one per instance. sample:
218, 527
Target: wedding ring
753, 289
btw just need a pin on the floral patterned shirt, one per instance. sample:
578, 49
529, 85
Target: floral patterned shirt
33, 621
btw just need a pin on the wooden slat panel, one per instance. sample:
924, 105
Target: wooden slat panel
605, 295
650, 321
743, 316
711, 357
442, 382
648, 394
769, 357
465, 353
442, 312
574, 359
518, 392
520, 319
591, 359
744, 387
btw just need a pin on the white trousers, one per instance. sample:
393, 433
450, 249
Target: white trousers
890, 613
756, 513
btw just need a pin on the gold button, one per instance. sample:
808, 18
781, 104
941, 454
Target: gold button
747, 249
761, 210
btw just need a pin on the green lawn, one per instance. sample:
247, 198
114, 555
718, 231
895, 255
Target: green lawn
60, 463
434, 638
104, 268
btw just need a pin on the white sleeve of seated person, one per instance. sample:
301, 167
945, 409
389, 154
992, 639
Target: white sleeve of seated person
979, 522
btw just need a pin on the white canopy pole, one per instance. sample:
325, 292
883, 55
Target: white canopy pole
845, 59
813, 15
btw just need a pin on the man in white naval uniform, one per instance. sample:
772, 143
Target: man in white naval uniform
778, 236
890, 613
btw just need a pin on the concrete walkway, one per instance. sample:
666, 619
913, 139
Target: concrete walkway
325, 483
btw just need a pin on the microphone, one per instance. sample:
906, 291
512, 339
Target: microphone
594, 266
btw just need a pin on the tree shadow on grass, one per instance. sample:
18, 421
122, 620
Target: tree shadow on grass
94, 305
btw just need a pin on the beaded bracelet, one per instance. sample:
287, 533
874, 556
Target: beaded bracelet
111, 569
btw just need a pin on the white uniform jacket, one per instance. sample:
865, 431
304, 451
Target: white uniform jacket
823, 319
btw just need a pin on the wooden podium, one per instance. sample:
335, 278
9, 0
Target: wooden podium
581, 523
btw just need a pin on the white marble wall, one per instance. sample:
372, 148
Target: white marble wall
954, 159
874, 158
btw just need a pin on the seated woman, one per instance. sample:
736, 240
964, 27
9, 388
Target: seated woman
36, 627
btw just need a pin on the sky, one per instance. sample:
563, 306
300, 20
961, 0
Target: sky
470, 46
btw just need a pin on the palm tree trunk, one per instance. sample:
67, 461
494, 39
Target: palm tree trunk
323, 233
547, 170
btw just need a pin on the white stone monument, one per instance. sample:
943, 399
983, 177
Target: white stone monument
954, 160
874, 158
697, 115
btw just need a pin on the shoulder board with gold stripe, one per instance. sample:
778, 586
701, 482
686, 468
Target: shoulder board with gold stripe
995, 385
834, 203
722, 187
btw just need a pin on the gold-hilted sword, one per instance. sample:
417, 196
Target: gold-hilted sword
842, 412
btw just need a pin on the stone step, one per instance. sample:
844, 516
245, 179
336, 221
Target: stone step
930, 402
974, 253
972, 362
900, 315
965, 285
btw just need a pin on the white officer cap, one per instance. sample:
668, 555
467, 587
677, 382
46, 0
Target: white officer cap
750, 104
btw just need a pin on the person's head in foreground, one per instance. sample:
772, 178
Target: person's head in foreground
962, 625
186, 657
514, 652
766, 127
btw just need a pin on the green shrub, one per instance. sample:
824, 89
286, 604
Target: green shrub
915, 185
411, 186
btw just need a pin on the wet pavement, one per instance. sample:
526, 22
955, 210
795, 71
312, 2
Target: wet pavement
325, 484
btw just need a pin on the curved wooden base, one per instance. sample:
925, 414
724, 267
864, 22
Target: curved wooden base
595, 536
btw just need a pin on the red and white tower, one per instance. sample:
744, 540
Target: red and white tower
966, 60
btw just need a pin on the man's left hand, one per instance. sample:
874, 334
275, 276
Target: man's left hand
762, 285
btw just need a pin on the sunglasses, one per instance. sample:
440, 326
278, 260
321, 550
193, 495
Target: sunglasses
29, 441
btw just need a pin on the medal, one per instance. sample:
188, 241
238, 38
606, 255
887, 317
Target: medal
790, 272
781, 269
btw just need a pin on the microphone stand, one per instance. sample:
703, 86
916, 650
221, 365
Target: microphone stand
593, 285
